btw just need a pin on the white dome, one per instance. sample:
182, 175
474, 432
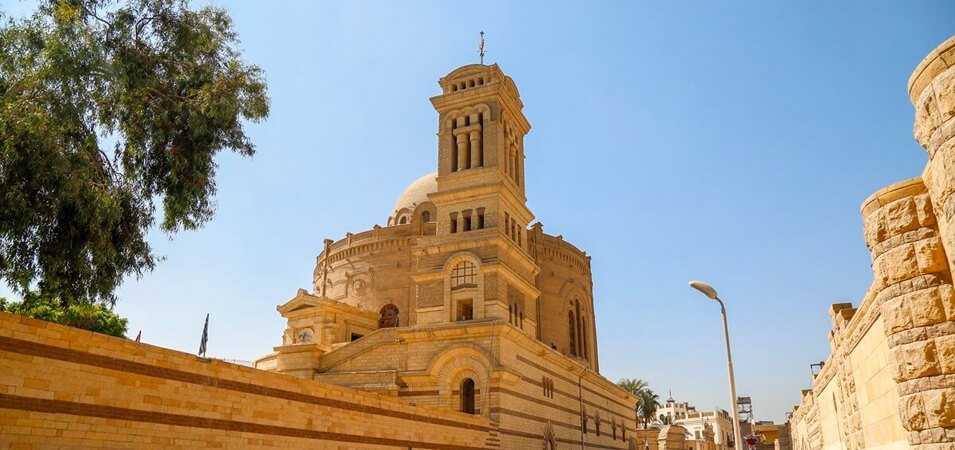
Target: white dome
415, 194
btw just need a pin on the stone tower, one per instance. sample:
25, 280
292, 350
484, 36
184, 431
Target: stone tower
480, 204
932, 91
926, 347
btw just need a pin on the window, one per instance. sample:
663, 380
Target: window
583, 338
613, 426
572, 325
597, 422
454, 222
355, 337
403, 220
548, 386
389, 317
465, 310
463, 275
467, 396
426, 216
467, 220
480, 219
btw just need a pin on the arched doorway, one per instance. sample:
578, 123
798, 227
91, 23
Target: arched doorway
467, 396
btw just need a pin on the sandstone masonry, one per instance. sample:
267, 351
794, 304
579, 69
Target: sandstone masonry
890, 379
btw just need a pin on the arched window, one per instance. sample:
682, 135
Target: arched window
403, 220
463, 275
467, 396
426, 216
389, 316
579, 328
572, 324
583, 338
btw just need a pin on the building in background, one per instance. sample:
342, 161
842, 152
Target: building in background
697, 423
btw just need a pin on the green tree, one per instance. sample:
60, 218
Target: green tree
647, 404
107, 110
88, 316
633, 385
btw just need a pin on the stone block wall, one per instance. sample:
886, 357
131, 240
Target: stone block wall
925, 350
62, 387
890, 380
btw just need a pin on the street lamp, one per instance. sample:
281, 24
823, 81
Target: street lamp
708, 291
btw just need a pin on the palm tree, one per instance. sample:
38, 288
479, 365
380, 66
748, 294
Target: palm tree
647, 404
633, 385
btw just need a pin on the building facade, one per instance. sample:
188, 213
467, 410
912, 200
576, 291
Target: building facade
462, 301
889, 382
697, 424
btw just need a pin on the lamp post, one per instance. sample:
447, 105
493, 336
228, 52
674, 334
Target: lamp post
708, 291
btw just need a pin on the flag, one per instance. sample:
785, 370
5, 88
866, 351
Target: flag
205, 337
139, 335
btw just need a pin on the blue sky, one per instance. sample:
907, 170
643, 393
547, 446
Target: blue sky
732, 143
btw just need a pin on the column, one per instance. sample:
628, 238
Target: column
463, 153
477, 152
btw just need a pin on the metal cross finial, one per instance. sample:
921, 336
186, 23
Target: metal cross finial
481, 48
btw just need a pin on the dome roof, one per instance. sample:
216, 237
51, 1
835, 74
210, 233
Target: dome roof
416, 193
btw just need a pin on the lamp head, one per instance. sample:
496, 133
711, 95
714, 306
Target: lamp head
706, 289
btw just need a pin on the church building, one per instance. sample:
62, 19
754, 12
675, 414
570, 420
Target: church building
462, 301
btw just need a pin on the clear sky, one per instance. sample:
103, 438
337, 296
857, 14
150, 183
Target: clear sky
732, 143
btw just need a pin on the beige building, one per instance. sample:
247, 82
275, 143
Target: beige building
462, 301
889, 382
698, 423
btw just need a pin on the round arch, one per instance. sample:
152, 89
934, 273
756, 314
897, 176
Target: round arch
452, 367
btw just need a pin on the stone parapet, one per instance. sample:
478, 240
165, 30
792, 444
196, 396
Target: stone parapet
62, 387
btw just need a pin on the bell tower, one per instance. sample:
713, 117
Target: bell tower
481, 129
478, 264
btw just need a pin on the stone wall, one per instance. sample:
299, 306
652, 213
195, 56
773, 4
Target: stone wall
890, 379
61, 387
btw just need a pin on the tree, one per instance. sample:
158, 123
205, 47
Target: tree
107, 109
632, 385
647, 404
636, 387
88, 316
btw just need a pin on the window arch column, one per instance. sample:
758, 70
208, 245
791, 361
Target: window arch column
464, 154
